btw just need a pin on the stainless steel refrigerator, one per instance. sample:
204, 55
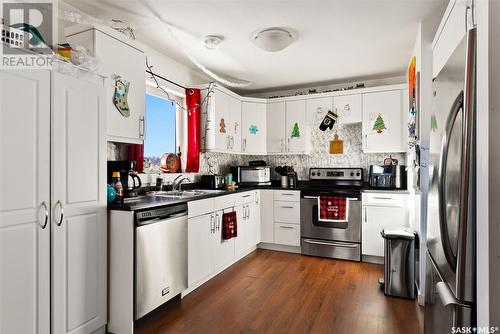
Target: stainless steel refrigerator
450, 270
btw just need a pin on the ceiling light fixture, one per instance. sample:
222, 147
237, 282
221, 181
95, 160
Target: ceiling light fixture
272, 39
212, 42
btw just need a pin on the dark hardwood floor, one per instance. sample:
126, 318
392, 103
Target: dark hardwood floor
275, 292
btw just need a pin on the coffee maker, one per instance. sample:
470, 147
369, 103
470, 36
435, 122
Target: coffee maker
128, 176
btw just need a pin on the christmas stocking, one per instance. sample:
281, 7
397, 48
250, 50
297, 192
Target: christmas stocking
328, 121
120, 97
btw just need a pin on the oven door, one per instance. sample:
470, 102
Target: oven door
310, 227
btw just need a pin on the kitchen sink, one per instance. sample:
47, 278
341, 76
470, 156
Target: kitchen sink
180, 194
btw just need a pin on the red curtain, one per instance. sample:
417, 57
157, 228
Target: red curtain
136, 153
193, 100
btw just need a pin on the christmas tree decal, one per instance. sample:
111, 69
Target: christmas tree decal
296, 130
379, 125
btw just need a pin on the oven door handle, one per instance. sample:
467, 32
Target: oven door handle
336, 244
317, 197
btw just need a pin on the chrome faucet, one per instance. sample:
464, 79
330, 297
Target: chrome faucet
178, 181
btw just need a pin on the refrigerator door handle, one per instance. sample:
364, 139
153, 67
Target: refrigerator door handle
447, 298
467, 147
443, 161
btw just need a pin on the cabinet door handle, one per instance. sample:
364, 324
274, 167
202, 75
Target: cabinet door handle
61, 217
232, 142
288, 145
287, 207
212, 224
287, 194
248, 195
44, 206
384, 198
248, 211
282, 145
244, 145
142, 127
366, 214
366, 141
286, 227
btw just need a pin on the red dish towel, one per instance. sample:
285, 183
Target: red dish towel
333, 209
229, 225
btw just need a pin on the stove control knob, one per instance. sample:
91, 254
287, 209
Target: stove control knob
313, 174
358, 174
319, 174
352, 174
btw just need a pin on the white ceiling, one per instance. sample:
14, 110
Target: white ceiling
337, 40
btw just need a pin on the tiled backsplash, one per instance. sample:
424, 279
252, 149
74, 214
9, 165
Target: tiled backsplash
353, 155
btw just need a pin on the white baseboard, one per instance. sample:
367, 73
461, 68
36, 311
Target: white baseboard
280, 248
208, 278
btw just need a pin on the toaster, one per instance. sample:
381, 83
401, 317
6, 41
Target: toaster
388, 176
213, 181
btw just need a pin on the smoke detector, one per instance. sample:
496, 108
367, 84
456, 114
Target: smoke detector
212, 42
272, 39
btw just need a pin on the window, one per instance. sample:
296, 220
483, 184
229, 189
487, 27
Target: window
160, 130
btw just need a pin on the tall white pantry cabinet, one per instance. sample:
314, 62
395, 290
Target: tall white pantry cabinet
52, 205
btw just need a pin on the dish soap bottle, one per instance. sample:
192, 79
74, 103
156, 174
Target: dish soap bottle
117, 184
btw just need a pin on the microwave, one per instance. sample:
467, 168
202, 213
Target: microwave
252, 175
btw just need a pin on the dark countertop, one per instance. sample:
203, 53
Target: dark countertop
146, 202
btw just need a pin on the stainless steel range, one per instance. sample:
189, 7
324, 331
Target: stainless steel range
341, 240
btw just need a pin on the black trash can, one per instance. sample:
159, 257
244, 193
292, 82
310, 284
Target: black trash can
399, 263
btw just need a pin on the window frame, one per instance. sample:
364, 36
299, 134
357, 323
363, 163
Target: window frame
174, 98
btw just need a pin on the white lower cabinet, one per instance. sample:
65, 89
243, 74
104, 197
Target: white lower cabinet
200, 247
280, 217
381, 211
53, 240
208, 252
240, 241
287, 234
224, 249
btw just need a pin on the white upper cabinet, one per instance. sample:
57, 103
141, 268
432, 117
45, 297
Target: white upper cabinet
253, 128
79, 225
384, 122
234, 106
348, 108
316, 109
25, 202
276, 127
118, 57
222, 122
296, 126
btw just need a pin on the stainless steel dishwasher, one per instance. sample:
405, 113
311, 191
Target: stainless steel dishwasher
161, 256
